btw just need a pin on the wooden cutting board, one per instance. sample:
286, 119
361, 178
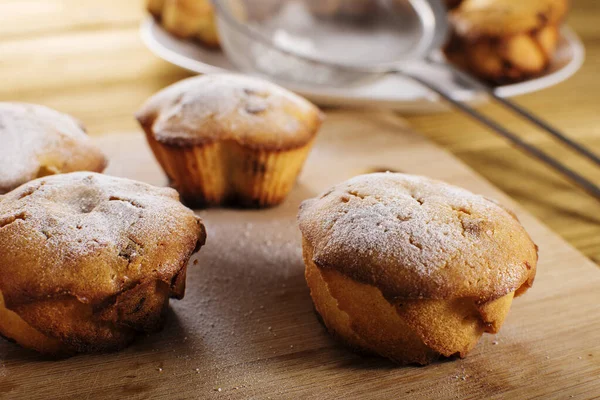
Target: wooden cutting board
247, 329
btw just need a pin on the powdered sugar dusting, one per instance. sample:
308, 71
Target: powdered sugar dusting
395, 227
85, 233
227, 106
34, 137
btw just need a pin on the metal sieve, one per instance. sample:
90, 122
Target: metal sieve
345, 42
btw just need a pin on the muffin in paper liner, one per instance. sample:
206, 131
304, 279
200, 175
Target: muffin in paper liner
229, 139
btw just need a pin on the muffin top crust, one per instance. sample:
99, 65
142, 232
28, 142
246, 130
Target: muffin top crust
498, 18
216, 107
91, 237
417, 238
38, 141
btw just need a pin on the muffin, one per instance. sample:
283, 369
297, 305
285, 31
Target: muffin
230, 139
89, 261
411, 268
187, 19
504, 40
38, 141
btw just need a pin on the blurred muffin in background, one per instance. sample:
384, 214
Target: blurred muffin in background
188, 19
504, 41
196, 19
37, 141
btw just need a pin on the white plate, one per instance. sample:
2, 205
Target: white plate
390, 92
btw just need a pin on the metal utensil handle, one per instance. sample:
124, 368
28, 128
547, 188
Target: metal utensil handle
583, 182
475, 83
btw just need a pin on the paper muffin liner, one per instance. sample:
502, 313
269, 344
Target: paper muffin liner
228, 173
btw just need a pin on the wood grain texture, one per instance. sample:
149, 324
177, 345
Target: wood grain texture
247, 325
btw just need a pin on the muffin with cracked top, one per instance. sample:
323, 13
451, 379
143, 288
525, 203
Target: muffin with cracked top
38, 141
225, 139
89, 261
412, 268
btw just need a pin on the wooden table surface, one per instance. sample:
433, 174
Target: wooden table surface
85, 58
247, 329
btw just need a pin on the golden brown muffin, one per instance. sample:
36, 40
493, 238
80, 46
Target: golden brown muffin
230, 139
188, 19
89, 261
37, 141
505, 40
411, 268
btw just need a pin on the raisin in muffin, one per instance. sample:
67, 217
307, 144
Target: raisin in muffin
38, 141
411, 268
89, 261
230, 139
504, 40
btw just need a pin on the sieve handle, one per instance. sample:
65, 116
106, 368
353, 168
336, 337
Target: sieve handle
580, 180
478, 85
